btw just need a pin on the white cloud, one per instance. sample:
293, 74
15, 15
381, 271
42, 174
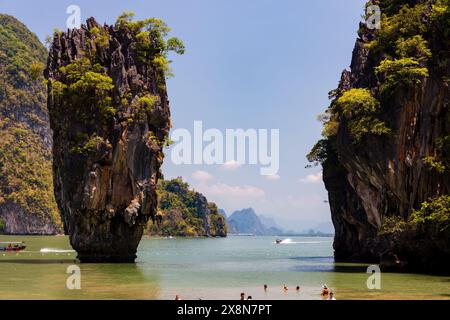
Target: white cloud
312, 178
244, 191
232, 197
231, 165
272, 177
202, 176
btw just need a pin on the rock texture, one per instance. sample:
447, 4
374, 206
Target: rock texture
106, 193
387, 176
27, 203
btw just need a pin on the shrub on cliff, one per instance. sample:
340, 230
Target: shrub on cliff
152, 43
429, 223
405, 71
405, 23
361, 110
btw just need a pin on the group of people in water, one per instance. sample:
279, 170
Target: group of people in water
326, 293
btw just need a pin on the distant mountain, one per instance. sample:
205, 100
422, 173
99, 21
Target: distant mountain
246, 221
268, 222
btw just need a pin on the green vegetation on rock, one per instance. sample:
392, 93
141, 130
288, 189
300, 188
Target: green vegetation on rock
429, 223
361, 109
185, 212
152, 42
26, 183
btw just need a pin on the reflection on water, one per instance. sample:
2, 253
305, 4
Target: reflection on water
204, 268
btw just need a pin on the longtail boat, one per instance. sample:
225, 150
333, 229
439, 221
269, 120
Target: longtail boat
12, 246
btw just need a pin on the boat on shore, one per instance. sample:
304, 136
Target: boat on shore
12, 246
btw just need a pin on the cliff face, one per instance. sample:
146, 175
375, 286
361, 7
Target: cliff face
385, 151
27, 203
185, 212
109, 113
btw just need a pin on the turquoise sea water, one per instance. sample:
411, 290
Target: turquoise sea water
204, 268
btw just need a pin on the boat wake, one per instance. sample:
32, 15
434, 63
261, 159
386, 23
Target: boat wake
51, 250
289, 241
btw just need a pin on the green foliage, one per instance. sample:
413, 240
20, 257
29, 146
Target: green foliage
406, 23
439, 163
89, 145
19, 49
361, 109
433, 217
176, 45
85, 84
434, 165
151, 44
147, 102
25, 161
36, 70
431, 221
2, 225
440, 16
405, 71
184, 212
26, 171
319, 153
101, 36
415, 47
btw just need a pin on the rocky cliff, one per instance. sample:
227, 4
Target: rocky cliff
386, 147
109, 112
185, 212
27, 203
246, 221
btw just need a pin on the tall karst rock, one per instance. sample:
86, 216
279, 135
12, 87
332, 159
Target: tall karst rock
109, 112
386, 146
27, 203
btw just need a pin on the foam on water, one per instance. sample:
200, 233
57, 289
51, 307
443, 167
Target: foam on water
51, 250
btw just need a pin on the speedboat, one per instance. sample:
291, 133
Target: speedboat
12, 246
278, 241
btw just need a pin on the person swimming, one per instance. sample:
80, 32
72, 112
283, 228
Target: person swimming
249, 298
265, 287
325, 290
242, 296
285, 288
297, 288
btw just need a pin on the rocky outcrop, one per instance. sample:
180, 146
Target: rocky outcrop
109, 113
390, 175
27, 203
185, 212
246, 221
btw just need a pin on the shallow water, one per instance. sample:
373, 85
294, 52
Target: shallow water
204, 268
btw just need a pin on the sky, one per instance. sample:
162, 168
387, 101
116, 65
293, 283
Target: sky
254, 64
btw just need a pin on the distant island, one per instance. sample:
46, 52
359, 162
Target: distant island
247, 222
185, 212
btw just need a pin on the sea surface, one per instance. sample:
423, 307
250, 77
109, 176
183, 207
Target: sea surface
204, 269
